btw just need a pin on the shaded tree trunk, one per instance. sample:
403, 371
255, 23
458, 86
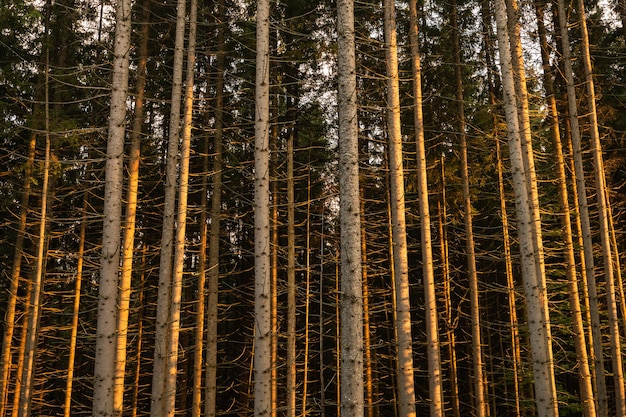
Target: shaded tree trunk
351, 292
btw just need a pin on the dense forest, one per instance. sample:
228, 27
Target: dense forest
312, 208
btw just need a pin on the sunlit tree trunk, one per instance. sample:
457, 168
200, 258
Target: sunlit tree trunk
603, 213
262, 279
76, 309
16, 270
367, 338
274, 245
406, 385
34, 302
140, 300
583, 206
181, 221
578, 329
432, 328
160, 377
113, 193
530, 241
128, 240
291, 283
351, 292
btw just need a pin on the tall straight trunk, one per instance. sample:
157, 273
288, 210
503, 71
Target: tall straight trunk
572, 105
113, 193
291, 282
603, 214
16, 270
580, 344
34, 302
480, 400
214, 240
351, 294
442, 214
513, 322
262, 281
130, 217
432, 327
367, 335
160, 379
530, 241
69, 384
139, 335
406, 384
307, 297
274, 248
181, 221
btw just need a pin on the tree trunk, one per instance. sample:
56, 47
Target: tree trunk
164, 298
601, 392
432, 327
580, 343
174, 322
76, 308
480, 400
16, 270
406, 384
602, 201
530, 241
262, 281
113, 196
34, 305
130, 217
214, 241
351, 294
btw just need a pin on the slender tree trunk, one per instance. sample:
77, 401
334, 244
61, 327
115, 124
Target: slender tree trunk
174, 323
406, 384
166, 272
530, 244
513, 322
130, 218
307, 302
76, 309
367, 339
16, 270
34, 303
291, 282
432, 328
580, 343
137, 372
113, 193
603, 214
480, 400
214, 241
447, 291
274, 248
351, 294
262, 249
597, 353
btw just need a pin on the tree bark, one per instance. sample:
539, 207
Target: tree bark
530, 241
580, 343
113, 195
406, 384
351, 294
432, 327
262, 281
